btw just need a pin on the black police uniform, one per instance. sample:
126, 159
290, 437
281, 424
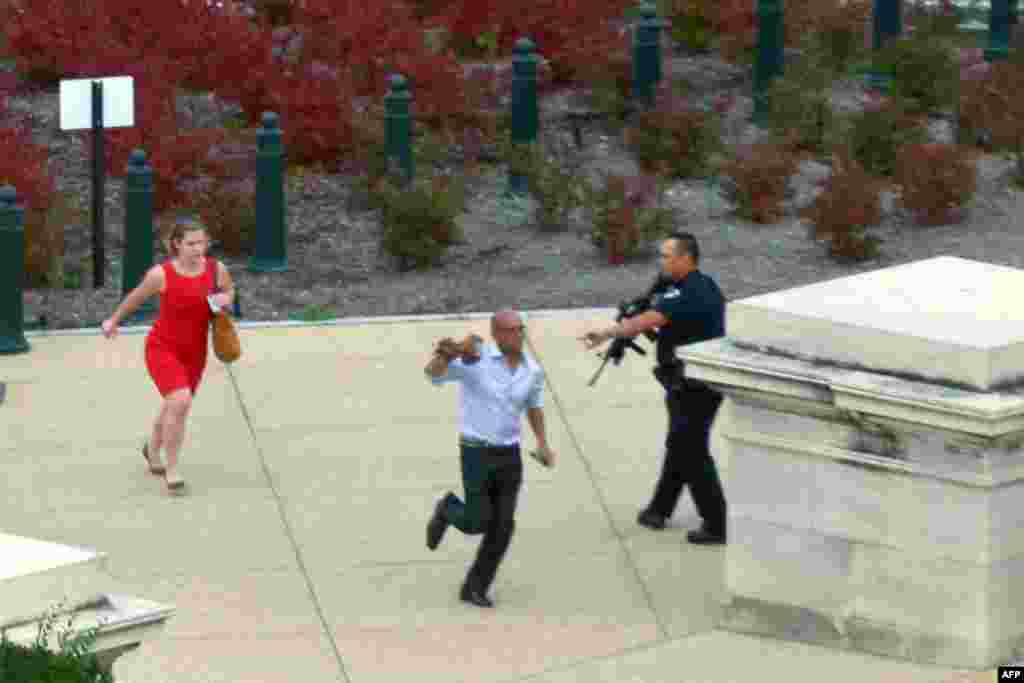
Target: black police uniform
695, 308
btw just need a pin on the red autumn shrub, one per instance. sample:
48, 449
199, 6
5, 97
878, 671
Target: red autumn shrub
228, 209
758, 180
239, 53
175, 153
24, 165
276, 12
358, 36
736, 26
196, 39
992, 99
572, 34
365, 43
245, 73
315, 116
936, 181
54, 39
159, 44
438, 87
846, 207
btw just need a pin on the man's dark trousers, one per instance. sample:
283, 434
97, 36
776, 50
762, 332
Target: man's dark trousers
491, 477
691, 412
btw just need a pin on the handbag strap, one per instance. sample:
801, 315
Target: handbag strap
211, 265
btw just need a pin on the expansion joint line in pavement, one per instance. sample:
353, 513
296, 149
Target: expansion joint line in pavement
597, 490
288, 529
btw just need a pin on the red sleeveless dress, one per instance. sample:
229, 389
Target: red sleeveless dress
176, 346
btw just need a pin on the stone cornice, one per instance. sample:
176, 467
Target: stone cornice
991, 414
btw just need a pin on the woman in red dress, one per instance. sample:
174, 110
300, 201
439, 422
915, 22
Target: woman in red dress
176, 346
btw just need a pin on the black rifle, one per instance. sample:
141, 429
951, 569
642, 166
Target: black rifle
630, 309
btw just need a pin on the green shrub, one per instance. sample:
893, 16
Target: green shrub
371, 167
690, 22
940, 22
833, 30
554, 181
314, 313
418, 222
44, 240
677, 143
610, 87
876, 134
799, 111
923, 72
626, 213
73, 662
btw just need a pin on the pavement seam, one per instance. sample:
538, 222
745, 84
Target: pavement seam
288, 529
597, 490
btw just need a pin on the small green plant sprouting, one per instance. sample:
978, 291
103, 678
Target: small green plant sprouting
314, 313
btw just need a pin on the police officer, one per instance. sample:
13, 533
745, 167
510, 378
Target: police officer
688, 309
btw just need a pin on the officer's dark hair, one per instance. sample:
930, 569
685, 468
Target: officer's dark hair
686, 243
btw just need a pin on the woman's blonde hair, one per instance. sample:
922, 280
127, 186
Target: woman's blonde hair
174, 232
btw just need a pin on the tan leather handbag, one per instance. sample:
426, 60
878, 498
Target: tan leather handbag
226, 345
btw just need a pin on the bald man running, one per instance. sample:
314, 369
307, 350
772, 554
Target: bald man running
497, 388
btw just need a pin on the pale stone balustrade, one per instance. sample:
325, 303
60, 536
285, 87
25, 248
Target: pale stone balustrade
872, 441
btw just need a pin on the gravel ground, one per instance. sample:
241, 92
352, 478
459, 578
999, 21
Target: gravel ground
506, 261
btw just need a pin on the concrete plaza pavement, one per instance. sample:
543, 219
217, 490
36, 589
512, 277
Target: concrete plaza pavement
313, 463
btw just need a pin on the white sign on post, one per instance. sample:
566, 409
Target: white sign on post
76, 103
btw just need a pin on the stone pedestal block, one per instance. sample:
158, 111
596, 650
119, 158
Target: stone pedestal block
873, 430
37, 577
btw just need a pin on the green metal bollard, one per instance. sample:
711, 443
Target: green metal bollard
770, 54
138, 228
12, 273
998, 31
269, 253
887, 25
525, 117
646, 55
398, 127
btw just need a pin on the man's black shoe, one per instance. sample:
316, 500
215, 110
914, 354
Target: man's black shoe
652, 520
475, 597
436, 526
704, 537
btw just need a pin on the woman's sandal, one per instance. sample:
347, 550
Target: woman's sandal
153, 469
176, 486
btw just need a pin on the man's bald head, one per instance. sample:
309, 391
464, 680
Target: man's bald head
506, 318
507, 330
